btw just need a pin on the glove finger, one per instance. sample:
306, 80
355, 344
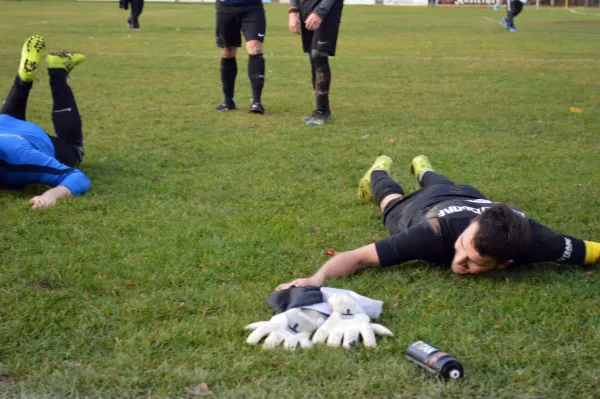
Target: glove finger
272, 341
306, 343
290, 343
351, 338
254, 326
320, 336
368, 336
256, 335
381, 330
335, 338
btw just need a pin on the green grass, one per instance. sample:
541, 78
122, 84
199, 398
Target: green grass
212, 211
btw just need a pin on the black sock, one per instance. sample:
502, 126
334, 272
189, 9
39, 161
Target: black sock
256, 73
322, 83
65, 115
314, 73
228, 74
382, 185
16, 101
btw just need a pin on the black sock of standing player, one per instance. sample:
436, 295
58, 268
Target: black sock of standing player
256, 73
314, 73
322, 83
382, 185
228, 74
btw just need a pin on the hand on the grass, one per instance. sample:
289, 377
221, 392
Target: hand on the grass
49, 197
291, 328
313, 22
347, 323
41, 202
294, 23
301, 282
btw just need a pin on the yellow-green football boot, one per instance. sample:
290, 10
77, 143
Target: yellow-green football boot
382, 162
66, 60
31, 55
419, 165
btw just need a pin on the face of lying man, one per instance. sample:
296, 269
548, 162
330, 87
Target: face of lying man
466, 258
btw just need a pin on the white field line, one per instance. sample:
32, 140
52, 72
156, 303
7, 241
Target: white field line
500, 58
492, 20
584, 13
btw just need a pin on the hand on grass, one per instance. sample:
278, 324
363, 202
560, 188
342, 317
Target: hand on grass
49, 197
301, 282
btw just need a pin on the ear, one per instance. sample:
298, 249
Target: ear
504, 265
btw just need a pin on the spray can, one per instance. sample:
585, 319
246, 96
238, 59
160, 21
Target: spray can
434, 360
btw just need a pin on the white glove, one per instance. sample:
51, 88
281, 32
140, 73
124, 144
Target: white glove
347, 322
292, 327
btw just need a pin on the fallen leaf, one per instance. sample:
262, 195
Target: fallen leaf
394, 66
365, 137
589, 274
233, 275
199, 390
390, 141
576, 110
203, 267
547, 116
182, 304
329, 252
129, 283
418, 52
343, 184
345, 149
185, 214
314, 230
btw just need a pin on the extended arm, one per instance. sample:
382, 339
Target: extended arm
341, 265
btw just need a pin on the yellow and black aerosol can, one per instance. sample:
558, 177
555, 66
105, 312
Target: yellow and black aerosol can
434, 360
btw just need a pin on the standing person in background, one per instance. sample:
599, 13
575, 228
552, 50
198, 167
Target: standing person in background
319, 24
249, 17
137, 6
513, 8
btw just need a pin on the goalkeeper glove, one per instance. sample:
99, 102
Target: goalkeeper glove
347, 323
292, 327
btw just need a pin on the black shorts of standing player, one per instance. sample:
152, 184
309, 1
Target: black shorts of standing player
513, 8
319, 40
247, 16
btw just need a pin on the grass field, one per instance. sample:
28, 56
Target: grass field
142, 287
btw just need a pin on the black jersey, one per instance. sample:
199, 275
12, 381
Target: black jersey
426, 224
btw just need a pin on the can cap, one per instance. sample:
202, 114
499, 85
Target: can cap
455, 374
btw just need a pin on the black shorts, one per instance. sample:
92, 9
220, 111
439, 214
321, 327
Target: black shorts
250, 19
402, 213
325, 37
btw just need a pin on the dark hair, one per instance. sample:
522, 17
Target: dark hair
503, 233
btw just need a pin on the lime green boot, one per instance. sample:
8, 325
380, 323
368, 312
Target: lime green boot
419, 165
64, 60
31, 55
382, 162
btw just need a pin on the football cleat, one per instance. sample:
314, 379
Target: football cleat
505, 23
31, 55
66, 60
319, 118
496, 6
512, 29
382, 162
228, 105
309, 117
256, 108
419, 165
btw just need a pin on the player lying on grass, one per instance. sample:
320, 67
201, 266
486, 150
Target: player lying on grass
27, 153
449, 224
